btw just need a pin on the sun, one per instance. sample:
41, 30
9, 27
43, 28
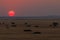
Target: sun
11, 13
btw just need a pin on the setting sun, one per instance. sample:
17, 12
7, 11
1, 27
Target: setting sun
11, 13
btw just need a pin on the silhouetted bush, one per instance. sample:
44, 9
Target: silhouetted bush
55, 24
36, 32
36, 26
12, 22
27, 30
3, 23
26, 23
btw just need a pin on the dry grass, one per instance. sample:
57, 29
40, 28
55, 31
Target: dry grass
18, 33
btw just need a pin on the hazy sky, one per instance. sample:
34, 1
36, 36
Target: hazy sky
30, 7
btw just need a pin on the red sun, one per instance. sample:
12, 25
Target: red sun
11, 13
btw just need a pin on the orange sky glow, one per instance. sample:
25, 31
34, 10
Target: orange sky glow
30, 7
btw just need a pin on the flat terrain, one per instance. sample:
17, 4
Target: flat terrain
29, 29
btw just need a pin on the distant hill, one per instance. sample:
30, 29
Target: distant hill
30, 17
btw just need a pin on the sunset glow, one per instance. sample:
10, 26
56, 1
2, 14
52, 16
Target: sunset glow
11, 13
29, 7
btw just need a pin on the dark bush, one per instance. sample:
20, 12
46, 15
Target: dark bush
36, 26
3, 23
26, 23
55, 23
12, 22
27, 30
36, 32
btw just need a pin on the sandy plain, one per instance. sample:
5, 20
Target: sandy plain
13, 29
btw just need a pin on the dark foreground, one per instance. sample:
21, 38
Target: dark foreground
29, 29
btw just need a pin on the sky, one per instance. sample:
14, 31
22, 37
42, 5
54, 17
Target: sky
30, 7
